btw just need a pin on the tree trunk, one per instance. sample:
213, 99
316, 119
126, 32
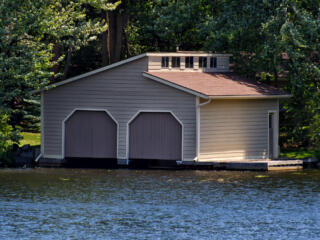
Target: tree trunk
104, 43
56, 55
112, 38
68, 64
275, 71
115, 37
126, 39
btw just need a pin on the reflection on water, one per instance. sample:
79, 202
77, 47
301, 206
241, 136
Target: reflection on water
158, 204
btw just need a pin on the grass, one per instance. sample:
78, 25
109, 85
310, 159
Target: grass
33, 139
297, 153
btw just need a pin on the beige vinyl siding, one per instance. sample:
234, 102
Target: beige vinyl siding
122, 91
235, 129
154, 64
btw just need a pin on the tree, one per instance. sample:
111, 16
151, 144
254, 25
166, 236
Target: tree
7, 137
260, 34
66, 24
37, 40
25, 61
164, 25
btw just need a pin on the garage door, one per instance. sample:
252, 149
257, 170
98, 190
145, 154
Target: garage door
90, 134
155, 135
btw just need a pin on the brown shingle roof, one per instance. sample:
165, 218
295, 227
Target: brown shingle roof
218, 84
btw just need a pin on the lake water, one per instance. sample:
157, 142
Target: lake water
158, 204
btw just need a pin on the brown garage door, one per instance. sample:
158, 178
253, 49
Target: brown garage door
155, 135
90, 134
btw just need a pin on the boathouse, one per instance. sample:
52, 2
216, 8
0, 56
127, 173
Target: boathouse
178, 107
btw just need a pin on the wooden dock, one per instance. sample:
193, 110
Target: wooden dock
255, 165
285, 164
250, 165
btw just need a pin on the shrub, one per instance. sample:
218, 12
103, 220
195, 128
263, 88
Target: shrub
8, 137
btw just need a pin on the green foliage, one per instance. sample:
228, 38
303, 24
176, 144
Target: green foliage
314, 129
28, 32
66, 22
8, 136
297, 153
163, 25
30, 121
25, 61
274, 41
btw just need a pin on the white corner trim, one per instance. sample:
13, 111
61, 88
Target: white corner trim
86, 109
198, 124
275, 129
160, 80
91, 73
42, 124
163, 111
198, 127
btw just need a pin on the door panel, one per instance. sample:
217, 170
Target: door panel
155, 135
90, 134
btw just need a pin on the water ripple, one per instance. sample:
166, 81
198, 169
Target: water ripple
145, 204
